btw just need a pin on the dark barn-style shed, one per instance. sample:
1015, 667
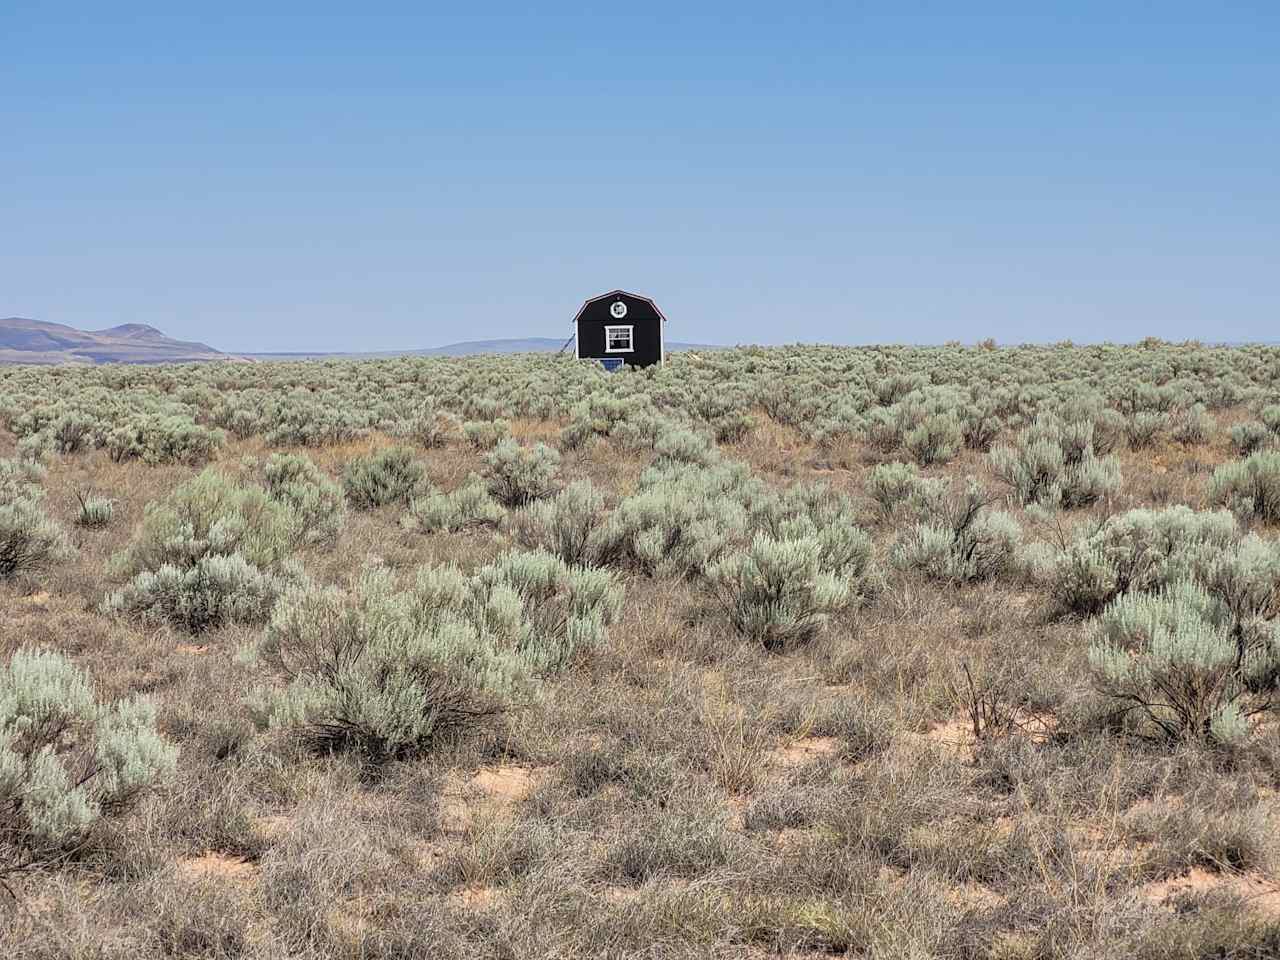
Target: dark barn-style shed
620, 327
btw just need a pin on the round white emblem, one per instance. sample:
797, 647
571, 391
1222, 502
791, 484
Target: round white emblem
617, 310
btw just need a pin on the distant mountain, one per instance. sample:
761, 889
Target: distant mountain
466, 348
41, 342
132, 331
38, 341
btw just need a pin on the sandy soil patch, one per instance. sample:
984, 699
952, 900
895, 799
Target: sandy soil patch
492, 788
504, 783
805, 749
1259, 895
791, 837
219, 865
272, 826
955, 735
619, 894
1038, 726
475, 896
974, 896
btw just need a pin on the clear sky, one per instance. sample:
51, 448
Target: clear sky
381, 175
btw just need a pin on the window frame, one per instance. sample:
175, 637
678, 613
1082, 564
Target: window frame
631, 337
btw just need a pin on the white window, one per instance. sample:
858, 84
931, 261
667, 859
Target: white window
618, 339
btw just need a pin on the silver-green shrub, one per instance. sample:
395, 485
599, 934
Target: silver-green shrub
1250, 488
520, 475
20, 479
214, 590
845, 424
1245, 578
164, 439
543, 608
431, 427
73, 432
1140, 551
816, 511
306, 420
214, 551
388, 671
383, 671
779, 591
237, 421
889, 485
936, 439
641, 430
681, 446
569, 525
1177, 656
632, 423
897, 489
1193, 425
95, 511
732, 426
35, 448
486, 434
964, 542
596, 416
1108, 430
815, 390
979, 426
1052, 463
1141, 429
884, 429
29, 540
481, 406
470, 505
895, 387
1270, 417
392, 475
67, 760
1250, 437
789, 400
214, 514
681, 521
317, 503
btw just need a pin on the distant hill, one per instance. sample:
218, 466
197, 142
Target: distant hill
38, 341
466, 348
463, 349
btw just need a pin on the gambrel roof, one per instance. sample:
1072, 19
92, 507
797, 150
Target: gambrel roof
613, 294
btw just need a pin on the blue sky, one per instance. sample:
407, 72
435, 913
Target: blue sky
385, 175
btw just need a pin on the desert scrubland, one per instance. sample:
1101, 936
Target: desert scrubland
877, 652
